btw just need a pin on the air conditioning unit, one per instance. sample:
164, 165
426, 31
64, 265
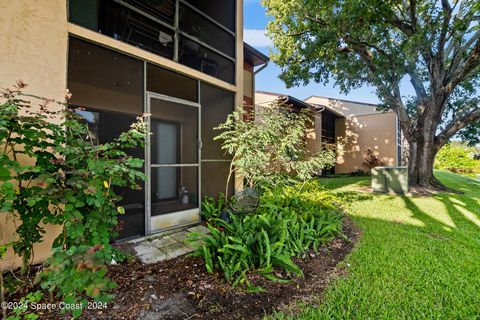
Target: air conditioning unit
390, 180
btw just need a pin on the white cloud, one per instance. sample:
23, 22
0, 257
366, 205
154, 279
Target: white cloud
256, 38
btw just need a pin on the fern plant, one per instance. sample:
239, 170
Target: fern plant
211, 208
285, 225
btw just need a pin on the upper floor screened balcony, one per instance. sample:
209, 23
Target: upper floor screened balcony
197, 33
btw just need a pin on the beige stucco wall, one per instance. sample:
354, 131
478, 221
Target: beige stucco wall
33, 48
355, 134
363, 127
248, 84
33, 38
264, 99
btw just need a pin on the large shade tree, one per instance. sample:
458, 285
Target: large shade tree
433, 47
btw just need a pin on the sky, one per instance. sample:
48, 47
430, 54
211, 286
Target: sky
255, 21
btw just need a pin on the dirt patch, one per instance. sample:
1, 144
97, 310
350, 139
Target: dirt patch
182, 289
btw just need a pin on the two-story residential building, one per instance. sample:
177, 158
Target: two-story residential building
182, 61
350, 127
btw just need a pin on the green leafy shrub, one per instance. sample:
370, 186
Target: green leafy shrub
51, 172
457, 158
287, 223
90, 210
24, 185
270, 153
271, 149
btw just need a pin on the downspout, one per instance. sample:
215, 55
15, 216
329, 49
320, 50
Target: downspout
260, 69
316, 116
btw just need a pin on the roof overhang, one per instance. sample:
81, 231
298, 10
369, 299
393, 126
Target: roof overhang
300, 104
323, 108
253, 56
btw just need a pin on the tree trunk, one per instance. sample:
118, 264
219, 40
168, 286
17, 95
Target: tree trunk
423, 150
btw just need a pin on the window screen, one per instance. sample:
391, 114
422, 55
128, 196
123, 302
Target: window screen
104, 79
217, 104
169, 83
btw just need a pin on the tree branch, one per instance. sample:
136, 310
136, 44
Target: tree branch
454, 48
447, 11
315, 20
456, 33
470, 64
413, 14
409, 28
403, 26
457, 124
300, 33
401, 111
394, 99
417, 83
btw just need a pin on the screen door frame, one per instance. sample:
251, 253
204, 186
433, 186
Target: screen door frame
190, 216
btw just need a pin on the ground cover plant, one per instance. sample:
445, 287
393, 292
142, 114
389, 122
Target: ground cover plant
287, 223
182, 287
418, 257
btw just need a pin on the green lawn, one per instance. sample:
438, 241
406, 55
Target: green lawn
419, 257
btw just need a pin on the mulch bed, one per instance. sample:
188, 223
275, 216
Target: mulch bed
182, 289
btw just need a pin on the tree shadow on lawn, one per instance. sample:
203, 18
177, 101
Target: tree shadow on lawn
461, 209
401, 270
460, 233
404, 268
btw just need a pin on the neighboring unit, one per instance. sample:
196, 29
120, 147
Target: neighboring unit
351, 127
363, 127
320, 133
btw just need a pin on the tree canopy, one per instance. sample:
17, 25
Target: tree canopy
435, 45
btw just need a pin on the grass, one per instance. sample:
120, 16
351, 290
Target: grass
419, 257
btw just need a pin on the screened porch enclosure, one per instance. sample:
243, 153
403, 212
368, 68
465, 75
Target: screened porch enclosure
183, 163
196, 33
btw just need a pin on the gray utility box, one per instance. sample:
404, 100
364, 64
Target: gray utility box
390, 179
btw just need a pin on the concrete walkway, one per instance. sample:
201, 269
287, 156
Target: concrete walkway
165, 245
